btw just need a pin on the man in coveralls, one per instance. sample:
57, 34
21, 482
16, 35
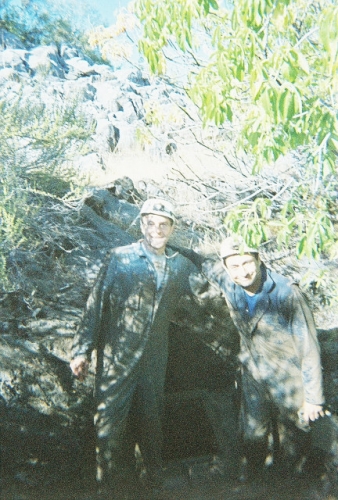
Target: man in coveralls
279, 353
126, 321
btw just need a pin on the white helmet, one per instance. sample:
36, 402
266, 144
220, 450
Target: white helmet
234, 245
158, 206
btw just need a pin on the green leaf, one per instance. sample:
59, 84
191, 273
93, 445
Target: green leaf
214, 4
300, 60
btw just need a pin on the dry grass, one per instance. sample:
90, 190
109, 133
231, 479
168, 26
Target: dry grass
137, 165
190, 162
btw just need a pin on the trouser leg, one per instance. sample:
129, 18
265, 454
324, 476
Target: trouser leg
112, 450
256, 425
294, 444
149, 400
150, 430
263, 418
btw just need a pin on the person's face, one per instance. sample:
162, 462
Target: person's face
245, 271
156, 230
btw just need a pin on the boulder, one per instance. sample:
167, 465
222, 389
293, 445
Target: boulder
79, 67
106, 135
46, 60
9, 40
15, 59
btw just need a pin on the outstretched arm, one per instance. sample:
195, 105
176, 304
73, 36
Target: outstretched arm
196, 258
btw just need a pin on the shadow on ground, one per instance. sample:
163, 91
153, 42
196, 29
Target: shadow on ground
194, 479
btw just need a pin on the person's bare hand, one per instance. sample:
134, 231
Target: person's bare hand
310, 412
79, 367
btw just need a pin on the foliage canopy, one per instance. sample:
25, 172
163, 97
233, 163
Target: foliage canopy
49, 22
270, 67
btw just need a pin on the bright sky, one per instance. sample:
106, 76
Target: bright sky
108, 8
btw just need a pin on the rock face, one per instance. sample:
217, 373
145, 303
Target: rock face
114, 98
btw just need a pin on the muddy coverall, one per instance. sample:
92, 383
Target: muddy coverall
279, 352
126, 321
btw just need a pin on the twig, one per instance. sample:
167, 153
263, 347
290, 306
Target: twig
225, 209
282, 190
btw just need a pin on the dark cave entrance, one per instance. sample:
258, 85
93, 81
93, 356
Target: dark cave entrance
201, 410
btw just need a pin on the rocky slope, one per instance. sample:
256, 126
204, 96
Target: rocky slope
114, 98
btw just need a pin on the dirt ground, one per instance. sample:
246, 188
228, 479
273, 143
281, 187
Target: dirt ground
194, 479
